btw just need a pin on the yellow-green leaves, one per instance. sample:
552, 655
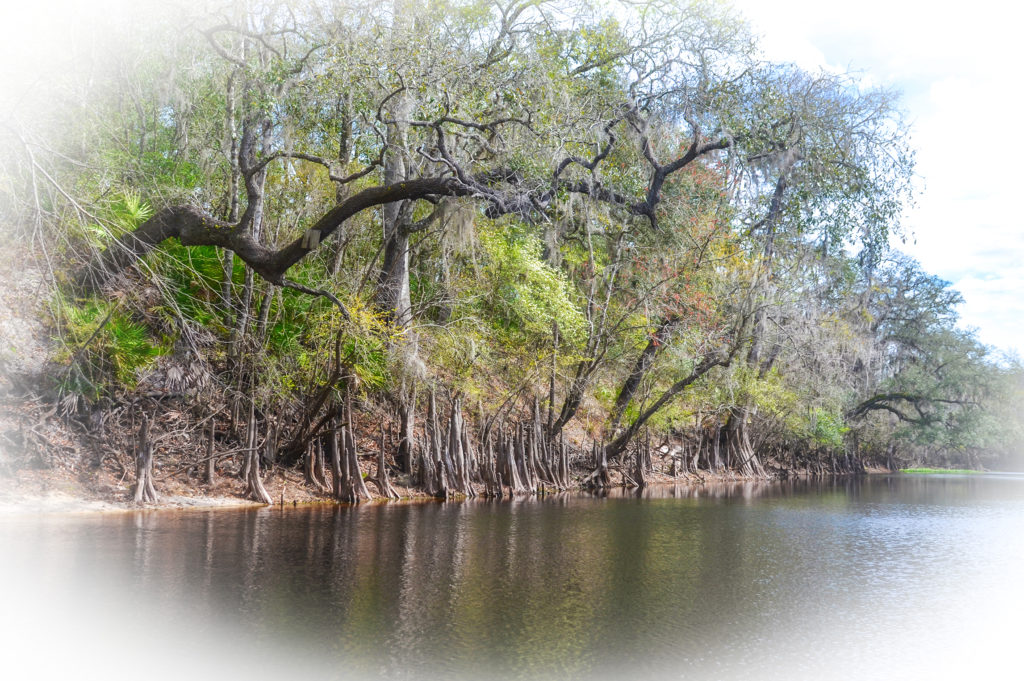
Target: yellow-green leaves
525, 291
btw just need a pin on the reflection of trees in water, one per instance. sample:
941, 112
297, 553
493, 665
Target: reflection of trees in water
747, 489
564, 585
525, 583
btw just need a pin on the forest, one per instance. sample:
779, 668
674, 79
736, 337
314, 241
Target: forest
473, 247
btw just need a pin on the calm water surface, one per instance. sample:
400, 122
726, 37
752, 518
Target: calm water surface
897, 577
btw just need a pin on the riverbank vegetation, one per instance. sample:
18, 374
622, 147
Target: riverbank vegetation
940, 471
474, 246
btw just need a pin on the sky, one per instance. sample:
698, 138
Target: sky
958, 66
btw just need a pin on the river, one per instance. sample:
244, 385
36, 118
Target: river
884, 577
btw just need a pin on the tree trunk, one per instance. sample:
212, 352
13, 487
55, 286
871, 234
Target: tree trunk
211, 469
715, 460
472, 465
393, 280
307, 465
527, 474
598, 478
406, 430
458, 457
334, 453
639, 474
319, 464
381, 479
254, 488
250, 441
737, 436
144, 490
353, 486
551, 385
228, 256
510, 467
564, 463
344, 116
313, 465
432, 466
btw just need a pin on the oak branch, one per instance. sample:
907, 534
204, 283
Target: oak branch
499, 189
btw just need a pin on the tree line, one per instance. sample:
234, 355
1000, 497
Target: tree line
531, 237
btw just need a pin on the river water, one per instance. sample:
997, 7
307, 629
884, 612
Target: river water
888, 577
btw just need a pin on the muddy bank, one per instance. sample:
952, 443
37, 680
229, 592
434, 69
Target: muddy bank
62, 489
53, 465
65, 491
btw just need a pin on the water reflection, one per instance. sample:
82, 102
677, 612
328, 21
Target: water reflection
799, 579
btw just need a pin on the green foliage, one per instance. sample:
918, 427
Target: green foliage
827, 429
525, 293
366, 352
193, 275
104, 347
123, 214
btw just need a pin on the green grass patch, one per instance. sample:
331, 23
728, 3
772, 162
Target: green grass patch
958, 471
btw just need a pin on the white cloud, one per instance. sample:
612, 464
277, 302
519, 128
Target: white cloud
958, 67
997, 309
